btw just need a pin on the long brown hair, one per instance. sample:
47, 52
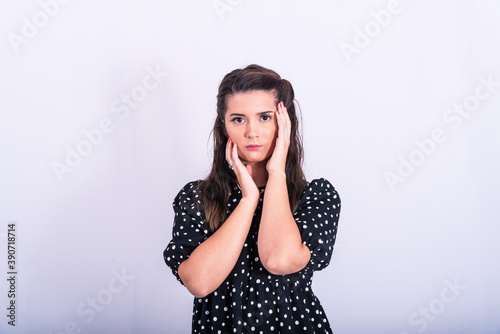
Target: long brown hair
216, 188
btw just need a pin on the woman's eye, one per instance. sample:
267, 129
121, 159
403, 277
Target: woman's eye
265, 118
237, 120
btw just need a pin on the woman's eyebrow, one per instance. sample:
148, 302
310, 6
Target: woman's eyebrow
259, 113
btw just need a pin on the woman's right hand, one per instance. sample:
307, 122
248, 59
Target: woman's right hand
213, 260
243, 173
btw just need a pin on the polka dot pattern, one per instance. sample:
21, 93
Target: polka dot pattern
252, 300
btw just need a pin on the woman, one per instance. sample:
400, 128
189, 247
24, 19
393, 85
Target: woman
247, 239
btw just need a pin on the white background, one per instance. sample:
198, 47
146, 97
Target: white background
398, 248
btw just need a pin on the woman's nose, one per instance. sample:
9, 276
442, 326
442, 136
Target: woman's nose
251, 130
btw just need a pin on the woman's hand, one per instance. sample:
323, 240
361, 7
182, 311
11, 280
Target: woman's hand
243, 173
213, 260
277, 161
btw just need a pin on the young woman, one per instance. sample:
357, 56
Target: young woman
247, 239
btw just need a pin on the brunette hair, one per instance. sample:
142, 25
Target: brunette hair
214, 191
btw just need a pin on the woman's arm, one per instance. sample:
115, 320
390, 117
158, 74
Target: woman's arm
280, 244
212, 261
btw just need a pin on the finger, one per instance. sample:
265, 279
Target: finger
235, 158
287, 117
228, 151
279, 118
286, 121
229, 159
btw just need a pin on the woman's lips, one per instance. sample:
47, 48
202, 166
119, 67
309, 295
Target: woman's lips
253, 147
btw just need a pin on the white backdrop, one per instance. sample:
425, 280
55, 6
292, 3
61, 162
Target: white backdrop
106, 109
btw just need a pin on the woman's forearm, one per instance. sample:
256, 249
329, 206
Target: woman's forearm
280, 244
210, 263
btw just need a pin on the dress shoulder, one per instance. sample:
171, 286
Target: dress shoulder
188, 229
187, 198
317, 216
189, 213
319, 188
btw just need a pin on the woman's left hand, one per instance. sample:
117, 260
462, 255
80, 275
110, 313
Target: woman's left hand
277, 161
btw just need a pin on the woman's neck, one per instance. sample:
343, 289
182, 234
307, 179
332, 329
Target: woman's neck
259, 173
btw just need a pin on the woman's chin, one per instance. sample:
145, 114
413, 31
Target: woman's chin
254, 162
254, 158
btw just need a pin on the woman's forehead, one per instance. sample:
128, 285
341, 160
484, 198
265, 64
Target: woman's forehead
253, 102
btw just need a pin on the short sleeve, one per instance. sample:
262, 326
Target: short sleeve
188, 229
317, 217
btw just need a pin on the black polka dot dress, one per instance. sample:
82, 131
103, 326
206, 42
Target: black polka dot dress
252, 300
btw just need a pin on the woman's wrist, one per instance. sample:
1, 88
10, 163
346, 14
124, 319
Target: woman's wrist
277, 173
250, 200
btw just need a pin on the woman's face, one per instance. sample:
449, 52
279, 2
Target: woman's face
251, 124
